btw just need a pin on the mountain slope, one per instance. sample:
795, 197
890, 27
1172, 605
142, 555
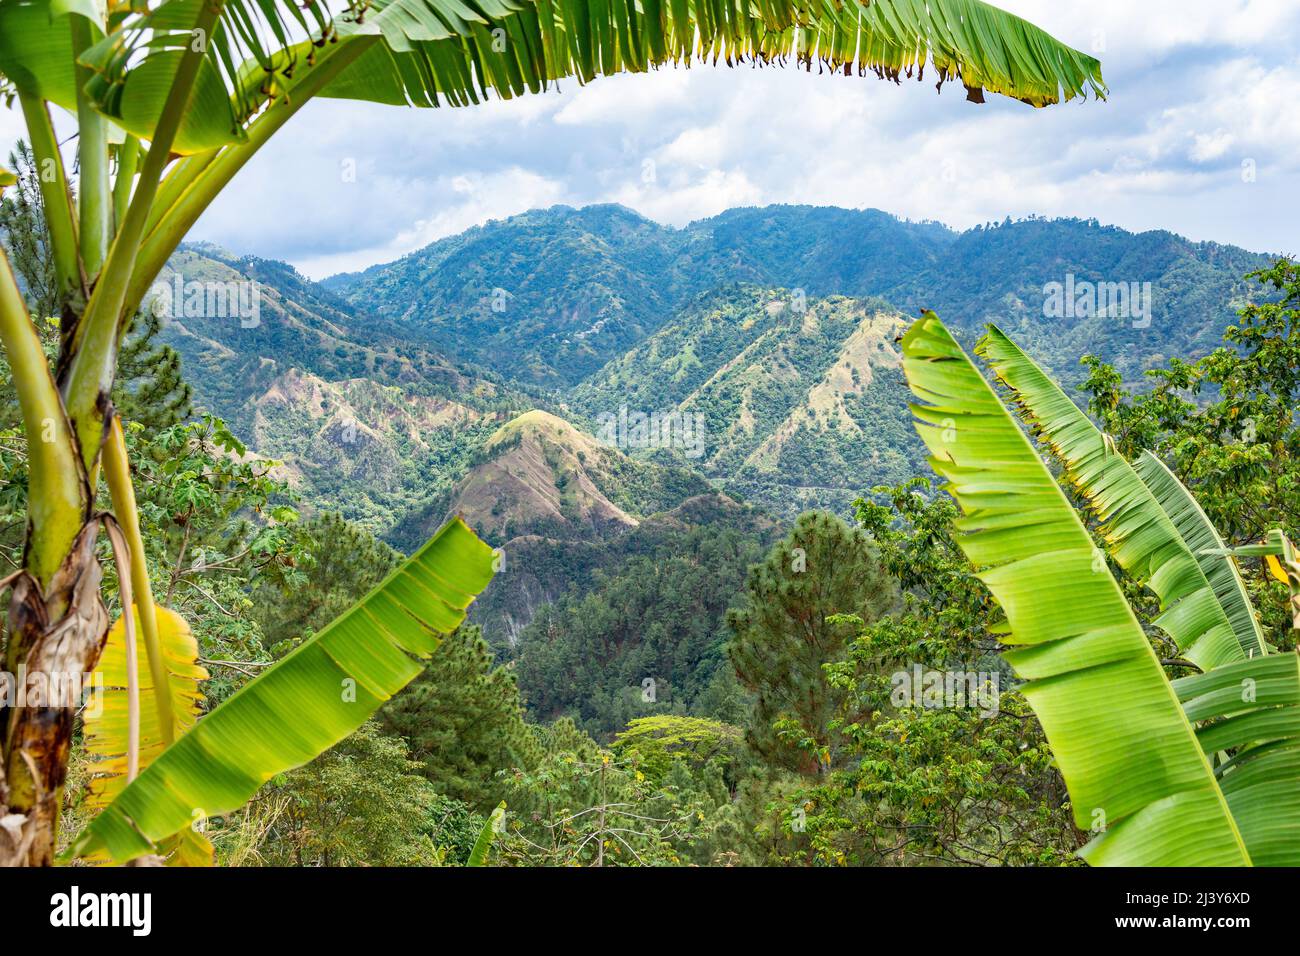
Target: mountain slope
801, 400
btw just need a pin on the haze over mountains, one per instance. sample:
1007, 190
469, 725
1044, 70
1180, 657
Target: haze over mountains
474, 375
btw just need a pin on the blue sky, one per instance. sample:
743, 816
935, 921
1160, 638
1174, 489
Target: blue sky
1200, 91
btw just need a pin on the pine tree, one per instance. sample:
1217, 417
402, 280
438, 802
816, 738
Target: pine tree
340, 563
463, 720
788, 630
150, 389
26, 238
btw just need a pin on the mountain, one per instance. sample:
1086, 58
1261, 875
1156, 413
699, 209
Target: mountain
560, 504
364, 415
771, 328
546, 297
800, 402
549, 297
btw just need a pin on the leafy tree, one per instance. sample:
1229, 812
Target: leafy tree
582, 805
801, 609
656, 744
361, 803
923, 785
463, 721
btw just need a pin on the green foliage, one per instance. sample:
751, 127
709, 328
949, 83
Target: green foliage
463, 721
214, 523
802, 606
1226, 425
922, 785
150, 389
25, 238
656, 744
361, 803
646, 638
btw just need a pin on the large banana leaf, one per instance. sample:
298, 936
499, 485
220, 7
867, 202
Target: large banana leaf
307, 702
1137, 531
1205, 544
512, 47
1252, 709
36, 55
105, 721
1127, 751
453, 52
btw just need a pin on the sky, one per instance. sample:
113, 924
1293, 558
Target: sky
1200, 134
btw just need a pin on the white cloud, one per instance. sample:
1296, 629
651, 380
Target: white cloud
623, 100
471, 198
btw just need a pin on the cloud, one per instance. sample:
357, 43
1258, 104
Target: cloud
471, 198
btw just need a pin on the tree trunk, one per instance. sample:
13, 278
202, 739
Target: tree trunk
55, 640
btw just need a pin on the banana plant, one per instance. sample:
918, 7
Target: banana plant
170, 99
1204, 770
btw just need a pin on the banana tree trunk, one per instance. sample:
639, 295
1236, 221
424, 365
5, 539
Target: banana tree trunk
55, 639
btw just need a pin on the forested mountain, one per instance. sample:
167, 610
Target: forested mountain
549, 296
800, 400
492, 373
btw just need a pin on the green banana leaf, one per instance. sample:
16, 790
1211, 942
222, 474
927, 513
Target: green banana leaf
458, 52
479, 854
1136, 529
1252, 708
429, 57
1205, 544
1130, 757
36, 54
304, 704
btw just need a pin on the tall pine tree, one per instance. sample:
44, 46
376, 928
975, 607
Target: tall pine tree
788, 630
463, 720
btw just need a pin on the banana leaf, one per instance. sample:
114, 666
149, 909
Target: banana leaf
301, 706
1136, 529
1136, 773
